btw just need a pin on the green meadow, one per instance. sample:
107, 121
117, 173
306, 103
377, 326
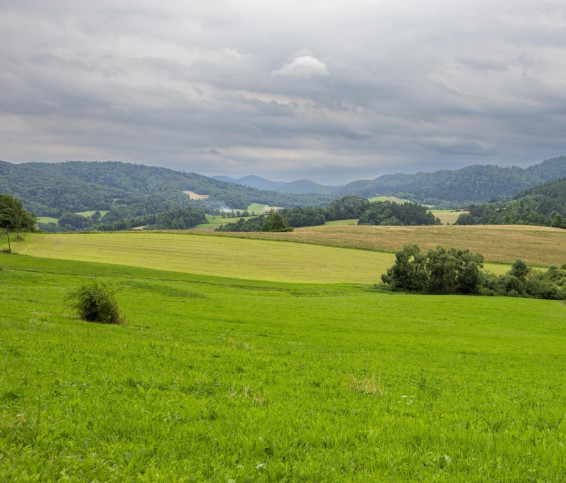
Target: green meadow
275, 363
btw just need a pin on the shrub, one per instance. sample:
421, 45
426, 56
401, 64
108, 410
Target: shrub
95, 302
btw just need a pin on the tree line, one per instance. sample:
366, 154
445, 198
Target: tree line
457, 271
345, 208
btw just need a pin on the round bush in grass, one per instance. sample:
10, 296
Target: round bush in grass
95, 302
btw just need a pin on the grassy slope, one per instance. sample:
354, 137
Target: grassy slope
499, 244
215, 379
212, 255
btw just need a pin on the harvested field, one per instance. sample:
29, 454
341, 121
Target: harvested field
447, 217
535, 245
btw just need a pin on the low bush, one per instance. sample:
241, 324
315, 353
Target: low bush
95, 302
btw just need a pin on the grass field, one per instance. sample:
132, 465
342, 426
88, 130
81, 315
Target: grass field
222, 379
215, 221
353, 221
91, 212
447, 217
213, 255
262, 360
393, 199
535, 245
47, 219
256, 208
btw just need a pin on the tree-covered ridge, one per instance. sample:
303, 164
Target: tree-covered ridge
50, 189
543, 205
472, 184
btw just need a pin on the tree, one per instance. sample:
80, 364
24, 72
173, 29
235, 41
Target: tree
440, 271
13, 217
275, 222
408, 272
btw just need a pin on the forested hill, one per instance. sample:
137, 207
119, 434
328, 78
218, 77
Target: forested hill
473, 184
50, 189
543, 205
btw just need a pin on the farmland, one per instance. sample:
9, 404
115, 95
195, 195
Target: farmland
238, 363
498, 243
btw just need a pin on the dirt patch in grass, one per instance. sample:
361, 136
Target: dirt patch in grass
195, 196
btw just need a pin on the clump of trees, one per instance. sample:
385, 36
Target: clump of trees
347, 207
95, 302
403, 214
457, 271
14, 218
273, 221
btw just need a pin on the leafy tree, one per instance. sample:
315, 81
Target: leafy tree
519, 270
13, 217
72, 222
275, 222
409, 270
453, 271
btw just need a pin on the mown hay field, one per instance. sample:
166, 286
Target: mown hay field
212, 255
535, 245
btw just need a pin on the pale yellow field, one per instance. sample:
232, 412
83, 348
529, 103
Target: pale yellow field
535, 245
447, 217
212, 255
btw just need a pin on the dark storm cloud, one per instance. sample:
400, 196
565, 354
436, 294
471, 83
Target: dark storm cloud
327, 89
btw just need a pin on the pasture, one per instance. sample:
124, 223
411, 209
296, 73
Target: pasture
222, 379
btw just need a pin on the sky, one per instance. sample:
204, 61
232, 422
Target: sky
329, 90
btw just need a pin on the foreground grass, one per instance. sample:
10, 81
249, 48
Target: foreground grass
218, 379
535, 245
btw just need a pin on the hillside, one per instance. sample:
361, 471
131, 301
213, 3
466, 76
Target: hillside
302, 186
50, 189
472, 184
253, 182
542, 205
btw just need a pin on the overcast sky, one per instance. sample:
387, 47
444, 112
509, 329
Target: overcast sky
329, 90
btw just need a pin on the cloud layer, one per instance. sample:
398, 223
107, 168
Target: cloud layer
325, 89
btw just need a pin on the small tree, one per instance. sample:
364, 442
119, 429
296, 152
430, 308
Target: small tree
13, 217
95, 302
519, 269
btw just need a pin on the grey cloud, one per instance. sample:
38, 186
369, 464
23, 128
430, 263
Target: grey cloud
209, 88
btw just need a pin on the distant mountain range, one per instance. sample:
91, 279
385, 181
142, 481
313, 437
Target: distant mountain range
301, 186
50, 189
472, 184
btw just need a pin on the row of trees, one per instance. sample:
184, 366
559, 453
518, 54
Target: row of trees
347, 207
456, 271
273, 221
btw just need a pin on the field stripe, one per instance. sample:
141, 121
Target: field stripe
219, 256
